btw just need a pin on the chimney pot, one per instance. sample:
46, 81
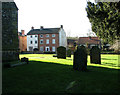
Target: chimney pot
23, 32
61, 26
41, 27
32, 28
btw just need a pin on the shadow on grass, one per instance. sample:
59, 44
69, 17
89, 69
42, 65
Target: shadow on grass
110, 64
53, 63
107, 59
48, 77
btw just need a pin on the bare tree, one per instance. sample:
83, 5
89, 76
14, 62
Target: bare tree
90, 33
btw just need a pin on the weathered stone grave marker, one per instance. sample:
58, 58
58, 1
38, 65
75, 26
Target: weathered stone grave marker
24, 59
61, 52
95, 56
68, 53
80, 59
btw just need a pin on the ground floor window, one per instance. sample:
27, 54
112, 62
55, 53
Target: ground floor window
41, 49
53, 49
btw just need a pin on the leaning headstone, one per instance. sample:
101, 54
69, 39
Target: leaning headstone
61, 52
80, 59
68, 53
24, 59
95, 56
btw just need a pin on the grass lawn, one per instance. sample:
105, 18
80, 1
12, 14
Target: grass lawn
47, 74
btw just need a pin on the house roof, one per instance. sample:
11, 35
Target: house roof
20, 34
43, 31
71, 40
92, 40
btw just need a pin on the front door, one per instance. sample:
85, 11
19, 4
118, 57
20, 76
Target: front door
47, 49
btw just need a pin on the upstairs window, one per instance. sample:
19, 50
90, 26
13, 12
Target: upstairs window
41, 41
47, 41
53, 35
35, 42
31, 36
41, 36
53, 41
35, 35
47, 35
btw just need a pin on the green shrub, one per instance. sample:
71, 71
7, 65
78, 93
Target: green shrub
35, 49
95, 56
68, 53
88, 51
49, 52
80, 59
61, 52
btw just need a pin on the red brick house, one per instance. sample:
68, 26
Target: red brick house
89, 41
71, 43
22, 41
46, 39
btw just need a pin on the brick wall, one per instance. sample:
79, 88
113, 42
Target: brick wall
23, 43
50, 45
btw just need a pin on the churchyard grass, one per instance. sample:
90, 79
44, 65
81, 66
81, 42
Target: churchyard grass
47, 74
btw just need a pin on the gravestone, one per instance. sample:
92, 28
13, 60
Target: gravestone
61, 52
95, 56
24, 59
68, 53
80, 59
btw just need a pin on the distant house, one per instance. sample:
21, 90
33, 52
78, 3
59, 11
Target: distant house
22, 40
46, 39
89, 41
71, 43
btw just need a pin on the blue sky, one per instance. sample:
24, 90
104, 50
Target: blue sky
53, 13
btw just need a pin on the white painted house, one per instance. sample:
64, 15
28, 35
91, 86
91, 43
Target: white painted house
46, 39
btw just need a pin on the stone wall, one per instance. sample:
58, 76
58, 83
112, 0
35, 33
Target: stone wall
10, 44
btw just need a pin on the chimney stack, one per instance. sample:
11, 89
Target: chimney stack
61, 26
23, 32
41, 27
32, 28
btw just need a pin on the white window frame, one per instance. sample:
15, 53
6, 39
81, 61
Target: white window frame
41, 40
53, 35
47, 41
47, 35
53, 41
53, 49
